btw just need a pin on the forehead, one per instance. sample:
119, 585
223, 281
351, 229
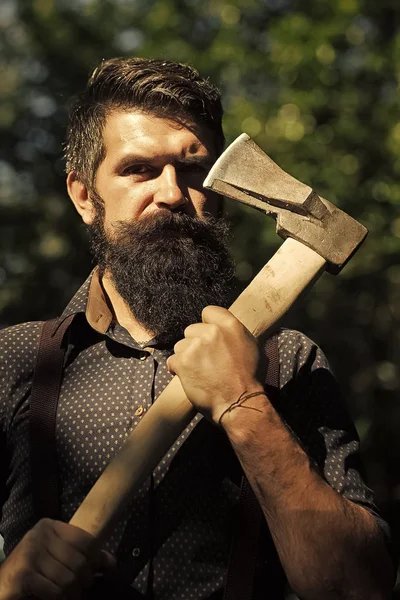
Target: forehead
133, 130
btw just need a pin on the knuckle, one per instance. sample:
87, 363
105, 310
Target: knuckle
207, 312
188, 330
214, 330
196, 346
43, 527
234, 327
177, 346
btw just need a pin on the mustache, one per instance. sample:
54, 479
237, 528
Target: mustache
165, 223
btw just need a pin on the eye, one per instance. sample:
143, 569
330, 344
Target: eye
194, 168
136, 169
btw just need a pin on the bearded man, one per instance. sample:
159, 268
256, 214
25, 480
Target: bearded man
141, 139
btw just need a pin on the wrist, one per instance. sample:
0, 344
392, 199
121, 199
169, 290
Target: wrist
251, 399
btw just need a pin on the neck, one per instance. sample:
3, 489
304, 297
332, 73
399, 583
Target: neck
123, 313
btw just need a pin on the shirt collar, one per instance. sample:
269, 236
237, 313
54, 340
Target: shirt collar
91, 300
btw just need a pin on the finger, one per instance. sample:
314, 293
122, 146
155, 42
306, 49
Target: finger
193, 330
76, 537
217, 315
58, 574
170, 365
223, 318
38, 586
205, 331
173, 364
104, 562
182, 346
72, 559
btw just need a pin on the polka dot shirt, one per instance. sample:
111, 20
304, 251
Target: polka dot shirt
174, 537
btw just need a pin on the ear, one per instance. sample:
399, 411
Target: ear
79, 195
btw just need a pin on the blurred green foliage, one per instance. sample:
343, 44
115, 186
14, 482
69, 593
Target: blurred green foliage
316, 84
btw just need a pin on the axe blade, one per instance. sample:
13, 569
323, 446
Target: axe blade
245, 173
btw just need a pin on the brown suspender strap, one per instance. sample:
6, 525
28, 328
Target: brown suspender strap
249, 519
43, 407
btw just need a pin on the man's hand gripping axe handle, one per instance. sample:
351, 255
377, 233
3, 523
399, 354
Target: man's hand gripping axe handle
318, 236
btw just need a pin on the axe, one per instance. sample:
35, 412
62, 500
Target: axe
317, 235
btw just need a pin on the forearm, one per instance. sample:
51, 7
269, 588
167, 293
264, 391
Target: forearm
328, 546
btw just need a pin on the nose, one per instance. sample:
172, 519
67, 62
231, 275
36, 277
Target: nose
169, 193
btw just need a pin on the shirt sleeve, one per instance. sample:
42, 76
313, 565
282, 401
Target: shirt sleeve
312, 407
18, 348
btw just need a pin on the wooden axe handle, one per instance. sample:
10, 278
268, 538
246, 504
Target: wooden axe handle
261, 304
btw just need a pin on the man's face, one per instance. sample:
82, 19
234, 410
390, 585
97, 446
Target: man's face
152, 164
152, 225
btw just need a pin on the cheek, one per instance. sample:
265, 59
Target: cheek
121, 213
125, 205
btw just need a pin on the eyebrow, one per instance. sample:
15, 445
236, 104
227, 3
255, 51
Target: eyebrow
132, 159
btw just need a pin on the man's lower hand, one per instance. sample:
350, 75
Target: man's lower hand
216, 362
53, 560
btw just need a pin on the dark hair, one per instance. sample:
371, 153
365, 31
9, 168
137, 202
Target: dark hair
163, 88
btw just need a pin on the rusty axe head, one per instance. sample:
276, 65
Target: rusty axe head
244, 172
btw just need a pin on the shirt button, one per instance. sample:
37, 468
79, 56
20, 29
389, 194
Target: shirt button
139, 411
136, 552
144, 356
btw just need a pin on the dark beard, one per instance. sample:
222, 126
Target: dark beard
167, 267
